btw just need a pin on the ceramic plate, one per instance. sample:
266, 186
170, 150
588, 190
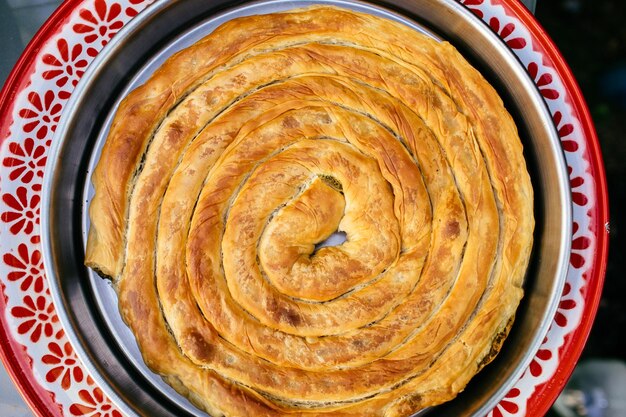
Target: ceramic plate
33, 342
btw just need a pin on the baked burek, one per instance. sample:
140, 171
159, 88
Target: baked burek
222, 173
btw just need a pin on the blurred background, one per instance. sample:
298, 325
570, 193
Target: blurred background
591, 35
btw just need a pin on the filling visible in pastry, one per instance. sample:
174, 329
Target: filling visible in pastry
224, 172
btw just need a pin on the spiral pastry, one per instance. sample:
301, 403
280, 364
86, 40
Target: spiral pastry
223, 172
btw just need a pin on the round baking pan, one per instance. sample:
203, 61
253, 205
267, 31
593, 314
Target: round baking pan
87, 304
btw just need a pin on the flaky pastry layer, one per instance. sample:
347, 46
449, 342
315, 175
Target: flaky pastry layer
222, 173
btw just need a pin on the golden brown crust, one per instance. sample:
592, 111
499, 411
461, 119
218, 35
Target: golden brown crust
260, 141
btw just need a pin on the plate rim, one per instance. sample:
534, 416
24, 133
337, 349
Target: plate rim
19, 79
16, 81
581, 334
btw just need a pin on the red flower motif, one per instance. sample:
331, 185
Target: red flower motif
565, 304
505, 33
101, 26
65, 365
26, 267
565, 130
576, 182
579, 198
94, 404
66, 65
134, 11
579, 244
38, 317
541, 356
26, 161
42, 114
575, 259
471, 5
23, 213
543, 81
507, 404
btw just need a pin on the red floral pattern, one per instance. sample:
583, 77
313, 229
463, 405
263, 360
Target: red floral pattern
65, 366
535, 366
579, 244
93, 404
134, 10
576, 183
565, 130
566, 303
26, 268
66, 65
37, 317
505, 32
508, 405
543, 81
26, 162
23, 213
473, 6
100, 27
42, 114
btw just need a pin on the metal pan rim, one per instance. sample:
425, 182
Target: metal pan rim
50, 192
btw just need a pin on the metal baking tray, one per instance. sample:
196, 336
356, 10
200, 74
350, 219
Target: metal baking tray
87, 304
